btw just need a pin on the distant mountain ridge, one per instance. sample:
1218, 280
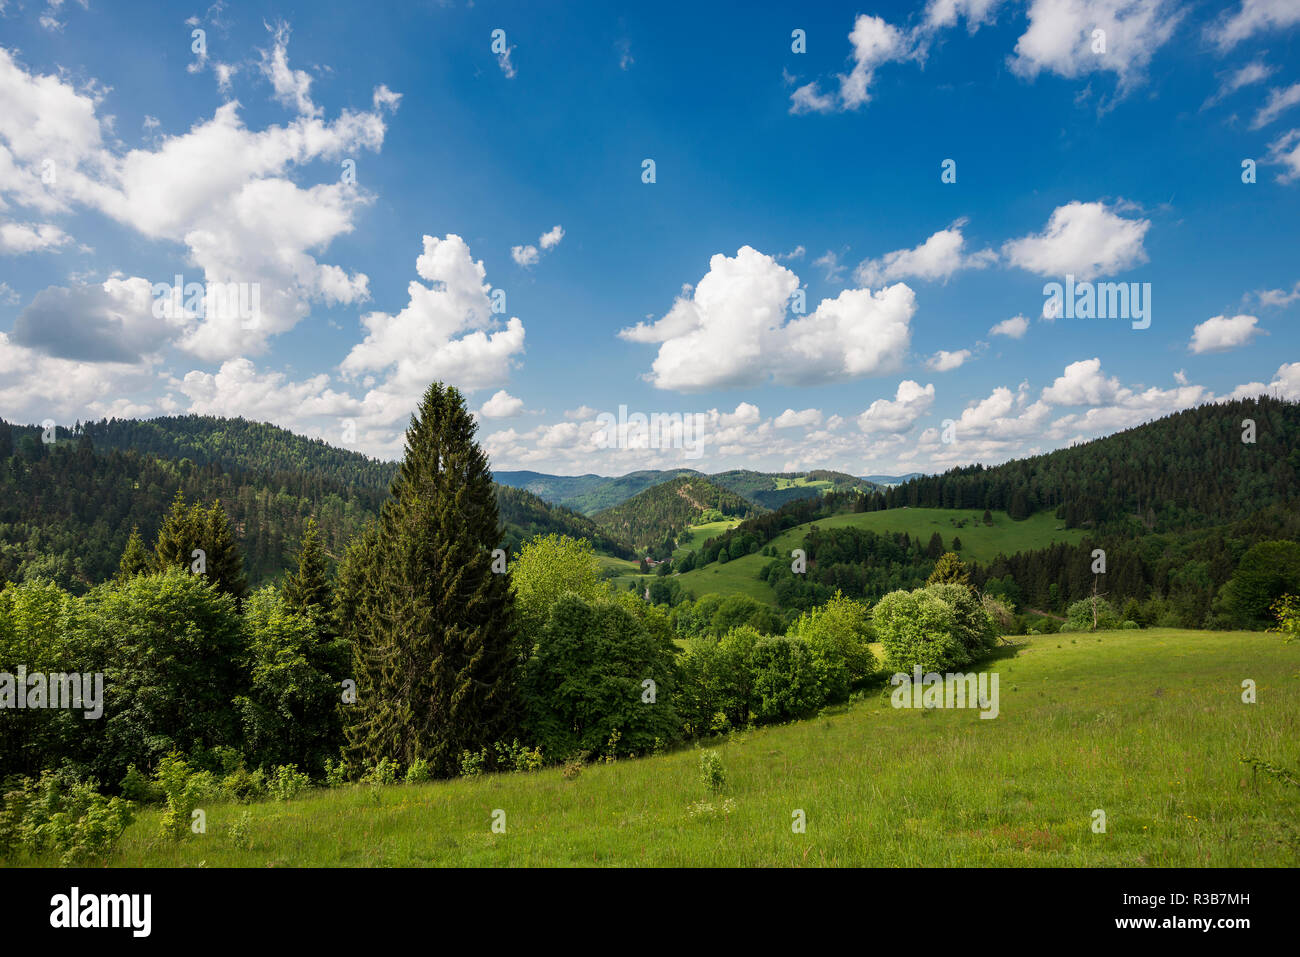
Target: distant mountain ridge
590, 493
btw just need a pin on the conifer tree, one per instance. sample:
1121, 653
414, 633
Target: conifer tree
949, 570
435, 636
935, 548
188, 528
309, 586
135, 558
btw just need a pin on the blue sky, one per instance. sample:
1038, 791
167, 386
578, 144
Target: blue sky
132, 150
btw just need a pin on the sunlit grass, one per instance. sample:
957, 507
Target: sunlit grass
1147, 726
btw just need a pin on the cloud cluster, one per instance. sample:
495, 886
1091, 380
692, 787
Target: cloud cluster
735, 327
529, 255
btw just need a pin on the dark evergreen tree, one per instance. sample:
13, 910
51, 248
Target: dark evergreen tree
135, 558
188, 529
309, 586
435, 638
1019, 507
935, 548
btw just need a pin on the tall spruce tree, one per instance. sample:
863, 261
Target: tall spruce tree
135, 558
434, 634
309, 586
188, 528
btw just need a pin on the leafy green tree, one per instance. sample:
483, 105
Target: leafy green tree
170, 646
1265, 573
546, 568
291, 713
918, 628
789, 680
718, 680
1082, 614
39, 629
736, 610
436, 644
586, 680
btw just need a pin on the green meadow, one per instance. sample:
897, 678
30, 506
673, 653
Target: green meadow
978, 543
1147, 726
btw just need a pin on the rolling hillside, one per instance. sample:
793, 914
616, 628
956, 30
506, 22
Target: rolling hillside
652, 519
67, 508
772, 489
1147, 726
588, 494
979, 542
592, 493
1195, 468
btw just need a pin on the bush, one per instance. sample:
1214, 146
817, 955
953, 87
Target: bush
838, 634
243, 785
69, 818
137, 788
918, 629
788, 681
419, 772
974, 627
472, 763
1130, 625
287, 781
516, 757
336, 773
1080, 615
1001, 612
182, 790
712, 774
383, 772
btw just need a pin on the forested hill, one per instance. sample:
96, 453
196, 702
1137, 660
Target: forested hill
652, 519
239, 443
589, 493
525, 515
67, 508
1190, 469
774, 489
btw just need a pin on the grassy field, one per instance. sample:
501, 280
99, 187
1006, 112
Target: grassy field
697, 535
979, 543
1147, 726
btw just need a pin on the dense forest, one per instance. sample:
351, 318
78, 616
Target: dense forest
67, 507
1200, 467
652, 520
764, 488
